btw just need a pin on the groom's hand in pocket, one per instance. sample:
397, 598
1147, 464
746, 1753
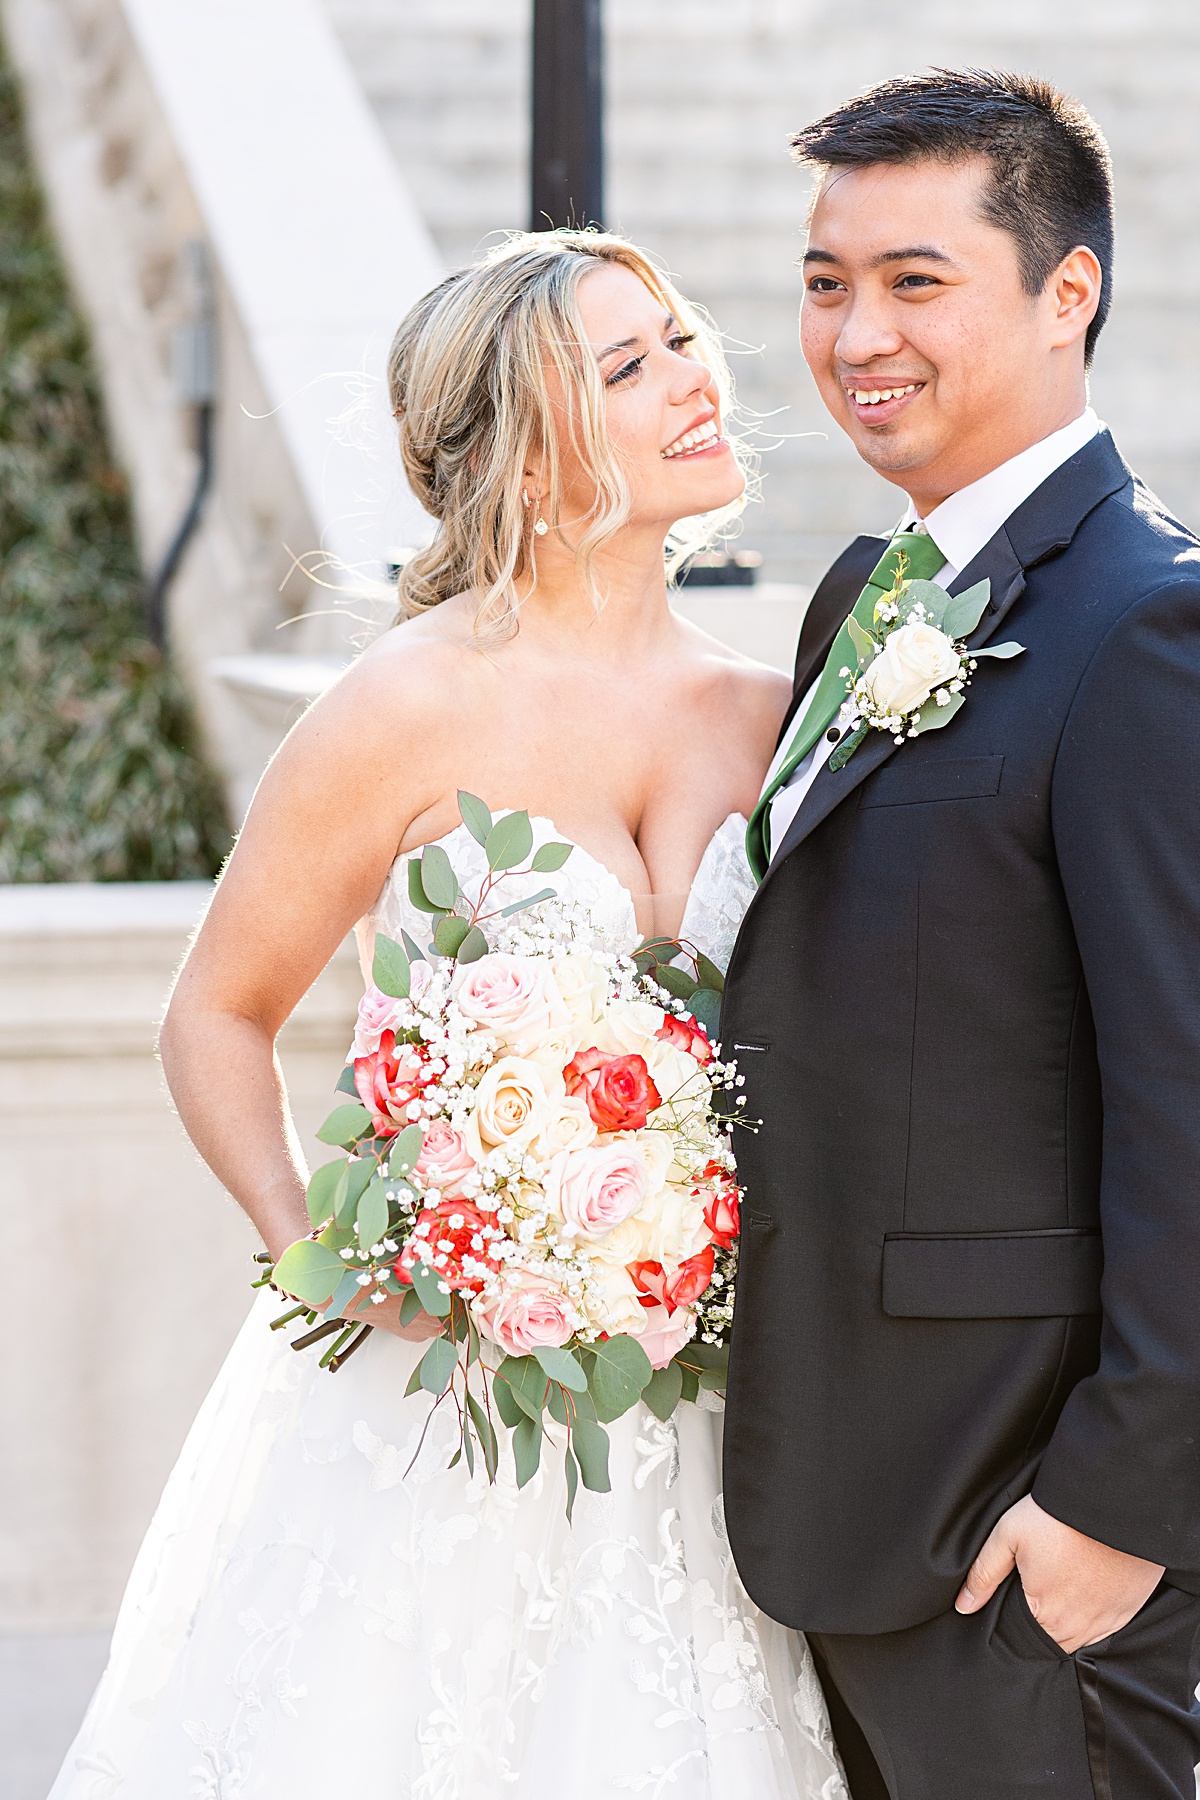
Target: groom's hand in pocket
1078, 1590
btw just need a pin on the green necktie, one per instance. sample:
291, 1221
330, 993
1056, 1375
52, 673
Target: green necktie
924, 559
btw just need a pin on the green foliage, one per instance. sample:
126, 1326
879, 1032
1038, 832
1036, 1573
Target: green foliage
100, 777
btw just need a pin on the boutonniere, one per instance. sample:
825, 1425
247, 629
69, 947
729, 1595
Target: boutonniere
913, 665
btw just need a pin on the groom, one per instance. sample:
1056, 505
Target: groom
963, 1428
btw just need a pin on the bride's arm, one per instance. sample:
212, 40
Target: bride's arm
324, 827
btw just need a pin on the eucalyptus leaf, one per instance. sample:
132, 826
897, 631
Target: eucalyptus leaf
659, 950
372, 1218
346, 1291
691, 1384
676, 981
473, 946
962, 612
355, 1178
406, 1148
706, 1009
345, 1082
933, 717
526, 1379
475, 816
486, 1433
1004, 652
865, 647
589, 1440
427, 1283
449, 934
413, 951
928, 594
710, 975
527, 1449
662, 1391
322, 1188
562, 1367
410, 1307
390, 969
310, 1271
550, 857
414, 1383
571, 1471
507, 1405
438, 1365
509, 841
416, 891
506, 912
556, 1403
345, 1125
438, 878
620, 1369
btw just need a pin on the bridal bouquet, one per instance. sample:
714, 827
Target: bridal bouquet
536, 1157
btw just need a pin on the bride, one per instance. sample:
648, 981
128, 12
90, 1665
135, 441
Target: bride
312, 1611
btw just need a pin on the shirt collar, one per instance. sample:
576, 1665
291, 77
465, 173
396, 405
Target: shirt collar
963, 524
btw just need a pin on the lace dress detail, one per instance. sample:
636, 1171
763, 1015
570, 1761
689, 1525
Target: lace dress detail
323, 1605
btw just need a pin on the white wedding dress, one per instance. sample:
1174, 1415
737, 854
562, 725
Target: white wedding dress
308, 1617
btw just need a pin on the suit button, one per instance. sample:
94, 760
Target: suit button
833, 734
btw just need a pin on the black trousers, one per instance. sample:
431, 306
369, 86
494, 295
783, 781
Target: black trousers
988, 1707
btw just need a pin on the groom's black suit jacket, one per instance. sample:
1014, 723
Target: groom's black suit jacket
966, 1002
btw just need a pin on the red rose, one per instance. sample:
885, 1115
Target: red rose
618, 1090
722, 1207
388, 1079
460, 1238
656, 1288
686, 1034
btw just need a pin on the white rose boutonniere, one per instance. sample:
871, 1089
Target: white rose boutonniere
913, 666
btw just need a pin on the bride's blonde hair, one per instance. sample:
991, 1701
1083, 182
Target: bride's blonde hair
468, 381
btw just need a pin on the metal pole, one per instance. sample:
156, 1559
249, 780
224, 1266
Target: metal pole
567, 159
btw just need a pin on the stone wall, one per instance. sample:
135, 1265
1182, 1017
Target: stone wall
702, 97
129, 1267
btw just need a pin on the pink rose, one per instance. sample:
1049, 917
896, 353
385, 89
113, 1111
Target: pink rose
445, 1162
377, 1013
514, 997
598, 1188
665, 1335
530, 1314
389, 1079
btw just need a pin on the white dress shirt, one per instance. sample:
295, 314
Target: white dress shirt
960, 527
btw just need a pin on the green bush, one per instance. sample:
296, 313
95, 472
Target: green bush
100, 775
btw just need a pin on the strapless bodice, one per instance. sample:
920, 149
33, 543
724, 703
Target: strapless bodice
718, 897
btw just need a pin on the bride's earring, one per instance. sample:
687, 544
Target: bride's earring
539, 525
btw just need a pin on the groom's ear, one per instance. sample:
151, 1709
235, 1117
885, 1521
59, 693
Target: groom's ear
1073, 296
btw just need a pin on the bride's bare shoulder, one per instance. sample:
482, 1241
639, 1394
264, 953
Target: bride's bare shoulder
747, 683
417, 668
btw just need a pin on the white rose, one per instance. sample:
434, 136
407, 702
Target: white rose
914, 660
511, 1107
611, 1300
569, 1127
672, 1226
628, 1028
583, 984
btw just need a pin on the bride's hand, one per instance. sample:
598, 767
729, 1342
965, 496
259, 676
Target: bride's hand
386, 1317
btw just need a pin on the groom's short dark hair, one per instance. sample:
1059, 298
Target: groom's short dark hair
1051, 180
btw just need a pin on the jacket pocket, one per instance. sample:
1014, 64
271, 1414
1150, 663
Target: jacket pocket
909, 781
991, 1275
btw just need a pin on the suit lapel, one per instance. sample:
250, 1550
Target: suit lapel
997, 563
1043, 525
